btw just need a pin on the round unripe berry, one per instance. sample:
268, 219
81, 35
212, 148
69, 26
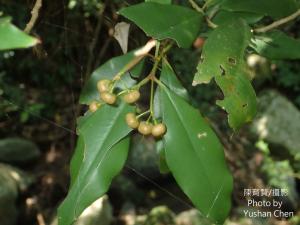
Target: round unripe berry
94, 106
109, 98
159, 130
132, 96
132, 121
145, 128
103, 85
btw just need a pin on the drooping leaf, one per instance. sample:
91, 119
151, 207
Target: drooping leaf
12, 38
196, 158
107, 71
160, 1
223, 59
162, 21
276, 45
273, 8
239, 99
168, 77
77, 159
223, 51
105, 152
224, 16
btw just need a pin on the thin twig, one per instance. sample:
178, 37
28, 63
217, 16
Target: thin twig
34, 16
196, 6
103, 51
278, 22
93, 44
200, 10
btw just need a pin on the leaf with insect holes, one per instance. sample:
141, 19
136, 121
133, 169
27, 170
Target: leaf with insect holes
195, 157
162, 21
274, 8
13, 38
276, 45
107, 71
101, 156
223, 59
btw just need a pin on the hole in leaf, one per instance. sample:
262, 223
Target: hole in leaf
245, 105
222, 70
201, 135
232, 61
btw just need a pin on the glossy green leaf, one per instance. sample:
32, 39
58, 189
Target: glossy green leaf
223, 59
273, 8
224, 16
239, 99
196, 158
105, 152
276, 45
77, 159
223, 51
107, 71
12, 38
162, 21
160, 1
168, 77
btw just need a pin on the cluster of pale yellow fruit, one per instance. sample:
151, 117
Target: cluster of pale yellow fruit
130, 97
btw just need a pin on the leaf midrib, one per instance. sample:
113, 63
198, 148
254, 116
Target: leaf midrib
186, 130
116, 117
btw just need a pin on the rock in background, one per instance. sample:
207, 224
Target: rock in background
18, 151
278, 123
12, 181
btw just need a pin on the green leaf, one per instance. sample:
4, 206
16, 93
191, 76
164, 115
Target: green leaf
223, 59
105, 152
196, 158
224, 16
276, 45
274, 8
77, 159
162, 21
239, 99
12, 38
169, 78
160, 1
223, 51
107, 71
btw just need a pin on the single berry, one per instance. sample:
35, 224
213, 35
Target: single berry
109, 98
159, 130
132, 96
94, 106
132, 121
199, 42
145, 128
103, 85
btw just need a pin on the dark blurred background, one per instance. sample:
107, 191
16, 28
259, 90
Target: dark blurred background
39, 90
